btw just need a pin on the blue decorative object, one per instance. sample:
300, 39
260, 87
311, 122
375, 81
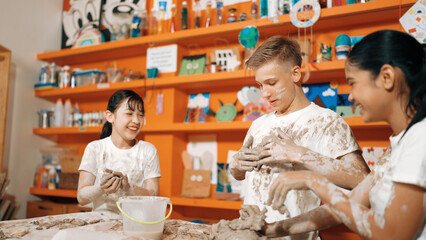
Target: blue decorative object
249, 37
343, 46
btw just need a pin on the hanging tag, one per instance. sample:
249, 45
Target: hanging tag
159, 107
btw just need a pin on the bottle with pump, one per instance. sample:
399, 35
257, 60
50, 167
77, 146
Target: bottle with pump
219, 12
197, 14
59, 114
184, 16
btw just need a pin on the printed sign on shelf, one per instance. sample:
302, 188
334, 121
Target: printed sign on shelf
164, 58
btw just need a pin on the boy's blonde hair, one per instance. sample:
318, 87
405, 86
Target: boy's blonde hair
276, 48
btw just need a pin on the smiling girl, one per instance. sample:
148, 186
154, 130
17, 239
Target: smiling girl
387, 74
119, 164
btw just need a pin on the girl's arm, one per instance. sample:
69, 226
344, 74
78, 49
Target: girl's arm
401, 219
87, 192
319, 218
151, 187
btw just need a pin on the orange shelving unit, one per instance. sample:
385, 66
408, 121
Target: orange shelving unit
167, 131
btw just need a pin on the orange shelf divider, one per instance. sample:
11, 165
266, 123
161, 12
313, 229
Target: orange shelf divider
54, 193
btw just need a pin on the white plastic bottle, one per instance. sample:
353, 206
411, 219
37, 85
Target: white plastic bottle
68, 113
59, 114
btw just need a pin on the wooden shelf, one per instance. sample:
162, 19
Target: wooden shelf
53, 193
353, 122
67, 130
206, 203
356, 122
330, 18
323, 71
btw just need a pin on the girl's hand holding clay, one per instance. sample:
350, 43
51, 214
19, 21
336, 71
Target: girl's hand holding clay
111, 181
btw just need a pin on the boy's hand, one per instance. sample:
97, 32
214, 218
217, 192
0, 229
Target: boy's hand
246, 159
280, 149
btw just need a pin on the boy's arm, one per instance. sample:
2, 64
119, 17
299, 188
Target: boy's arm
345, 171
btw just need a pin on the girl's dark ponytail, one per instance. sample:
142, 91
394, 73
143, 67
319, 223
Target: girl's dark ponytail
106, 130
417, 100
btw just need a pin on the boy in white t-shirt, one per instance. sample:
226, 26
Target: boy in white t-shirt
295, 121
118, 164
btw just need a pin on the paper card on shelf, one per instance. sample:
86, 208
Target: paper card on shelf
413, 21
196, 183
198, 106
235, 184
164, 58
197, 146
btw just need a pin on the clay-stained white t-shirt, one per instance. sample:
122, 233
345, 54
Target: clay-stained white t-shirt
318, 129
407, 164
139, 163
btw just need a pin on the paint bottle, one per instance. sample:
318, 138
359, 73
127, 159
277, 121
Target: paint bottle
254, 10
208, 13
135, 30
184, 16
197, 14
263, 8
231, 15
153, 22
162, 22
219, 12
144, 23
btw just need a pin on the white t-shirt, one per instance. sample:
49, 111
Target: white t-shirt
407, 164
319, 129
139, 163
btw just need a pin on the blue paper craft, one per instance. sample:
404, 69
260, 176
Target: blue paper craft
346, 108
198, 106
322, 94
223, 179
